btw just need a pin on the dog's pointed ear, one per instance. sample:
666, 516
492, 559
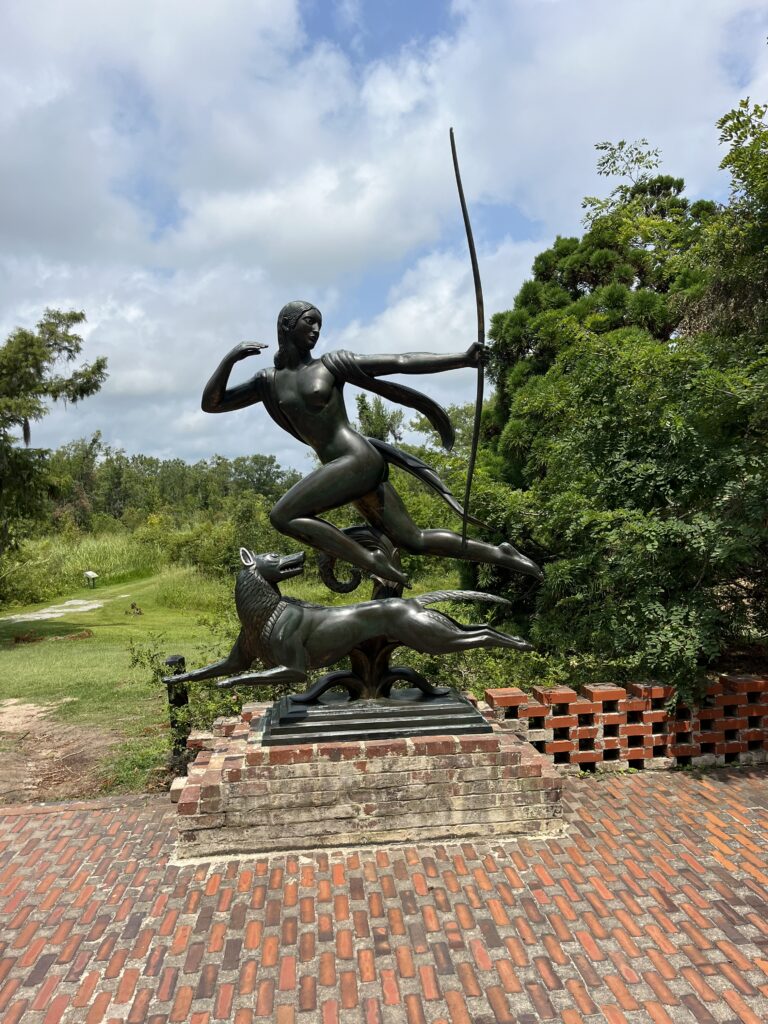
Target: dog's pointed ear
247, 557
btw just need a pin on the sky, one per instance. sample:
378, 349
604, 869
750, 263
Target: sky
180, 170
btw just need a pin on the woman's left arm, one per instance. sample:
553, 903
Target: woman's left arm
421, 362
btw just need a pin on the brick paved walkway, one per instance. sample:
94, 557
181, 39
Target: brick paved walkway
653, 906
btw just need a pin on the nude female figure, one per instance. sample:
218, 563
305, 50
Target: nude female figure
305, 397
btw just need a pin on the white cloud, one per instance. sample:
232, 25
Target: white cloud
432, 309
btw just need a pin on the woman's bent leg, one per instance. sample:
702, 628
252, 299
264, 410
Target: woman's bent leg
330, 486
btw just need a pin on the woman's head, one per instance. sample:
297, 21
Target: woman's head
288, 318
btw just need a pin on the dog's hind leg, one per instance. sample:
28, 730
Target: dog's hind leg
236, 661
437, 633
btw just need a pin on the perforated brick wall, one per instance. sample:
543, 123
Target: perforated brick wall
609, 727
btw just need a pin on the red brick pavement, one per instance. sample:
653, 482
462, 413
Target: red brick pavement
653, 906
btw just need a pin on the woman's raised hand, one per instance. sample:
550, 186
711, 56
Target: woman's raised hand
245, 349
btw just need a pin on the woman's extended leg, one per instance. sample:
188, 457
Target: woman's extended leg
385, 510
337, 483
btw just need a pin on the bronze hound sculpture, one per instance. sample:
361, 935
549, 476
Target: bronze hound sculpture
291, 637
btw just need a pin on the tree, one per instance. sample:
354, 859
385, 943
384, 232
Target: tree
72, 472
31, 377
734, 250
378, 421
632, 442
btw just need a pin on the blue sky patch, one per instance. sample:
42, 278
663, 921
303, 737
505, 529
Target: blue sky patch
370, 30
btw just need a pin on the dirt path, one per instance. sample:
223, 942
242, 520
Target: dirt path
45, 759
58, 611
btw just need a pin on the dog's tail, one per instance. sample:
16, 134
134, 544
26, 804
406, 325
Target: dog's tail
437, 596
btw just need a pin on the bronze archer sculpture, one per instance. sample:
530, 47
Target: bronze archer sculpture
305, 397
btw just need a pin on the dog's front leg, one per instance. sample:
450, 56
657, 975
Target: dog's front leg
279, 674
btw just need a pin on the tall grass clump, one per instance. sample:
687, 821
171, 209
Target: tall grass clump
188, 589
46, 568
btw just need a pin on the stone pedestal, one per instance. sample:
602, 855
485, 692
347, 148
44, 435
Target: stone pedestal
241, 796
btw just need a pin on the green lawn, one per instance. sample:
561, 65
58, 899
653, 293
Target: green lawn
91, 680
94, 674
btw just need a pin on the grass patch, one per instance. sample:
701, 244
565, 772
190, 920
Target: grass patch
94, 674
93, 677
185, 589
138, 764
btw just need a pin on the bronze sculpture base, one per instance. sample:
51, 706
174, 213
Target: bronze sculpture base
335, 719
370, 680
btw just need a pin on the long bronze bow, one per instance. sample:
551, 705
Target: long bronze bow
480, 338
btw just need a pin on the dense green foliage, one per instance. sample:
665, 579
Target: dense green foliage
96, 487
630, 427
94, 501
48, 567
